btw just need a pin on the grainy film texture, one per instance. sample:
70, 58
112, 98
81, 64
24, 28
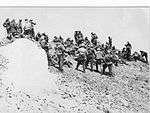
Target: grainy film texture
74, 60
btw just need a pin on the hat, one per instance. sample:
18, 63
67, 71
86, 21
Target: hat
82, 45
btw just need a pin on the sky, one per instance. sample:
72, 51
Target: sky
122, 24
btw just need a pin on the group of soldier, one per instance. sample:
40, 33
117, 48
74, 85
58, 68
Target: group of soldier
16, 29
84, 51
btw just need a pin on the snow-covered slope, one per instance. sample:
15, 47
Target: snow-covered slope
27, 68
71, 91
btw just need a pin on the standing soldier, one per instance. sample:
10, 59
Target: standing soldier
19, 26
90, 57
32, 27
45, 37
78, 37
110, 42
61, 40
44, 44
13, 26
60, 52
27, 27
82, 57
94, 39
6, 24
128, 50
87, 42
38, 36
107, 63
99, 58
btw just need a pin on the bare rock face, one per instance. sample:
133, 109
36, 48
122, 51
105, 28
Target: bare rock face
27, 69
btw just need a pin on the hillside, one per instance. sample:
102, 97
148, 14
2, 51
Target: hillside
71, 91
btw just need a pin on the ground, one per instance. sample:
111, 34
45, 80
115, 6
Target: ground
72, 91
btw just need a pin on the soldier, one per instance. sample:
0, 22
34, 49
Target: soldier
68, 42
78, 37
61, 40
27, 27
32, 27
94, 39
38, 36
114, 58
90, 57
55, 39
99, 58
60, 52
87, 42
44, 44
128, 50
13, 27
135, 56
123, 50
110, 42
122, 54
107, 63
144, 54
19, 26
45, 37
6, 24
82, 57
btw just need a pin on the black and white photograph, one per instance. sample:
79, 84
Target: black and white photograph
74, 59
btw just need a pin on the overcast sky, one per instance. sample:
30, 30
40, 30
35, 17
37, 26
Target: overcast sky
122, 24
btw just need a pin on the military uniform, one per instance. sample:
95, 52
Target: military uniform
110, 42
90, 57
78, 37
29, 28
128, 51
144, 54
19, 26
82, 57
135, 56
6, 24
107, 63
99, 58
60, 50
87, 42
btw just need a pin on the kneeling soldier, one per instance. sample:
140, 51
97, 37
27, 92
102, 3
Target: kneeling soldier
144, 54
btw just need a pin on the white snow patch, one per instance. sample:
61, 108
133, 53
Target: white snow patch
28, 68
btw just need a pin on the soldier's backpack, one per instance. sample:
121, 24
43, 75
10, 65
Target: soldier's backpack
99, 55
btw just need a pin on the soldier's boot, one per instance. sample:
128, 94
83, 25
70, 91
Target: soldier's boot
146, 59
97, 66
91, 65
60, 63
104, 67
84, 65
110, 69
116, 63
77, 66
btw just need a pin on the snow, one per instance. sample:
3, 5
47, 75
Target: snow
28, 86
28, 68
